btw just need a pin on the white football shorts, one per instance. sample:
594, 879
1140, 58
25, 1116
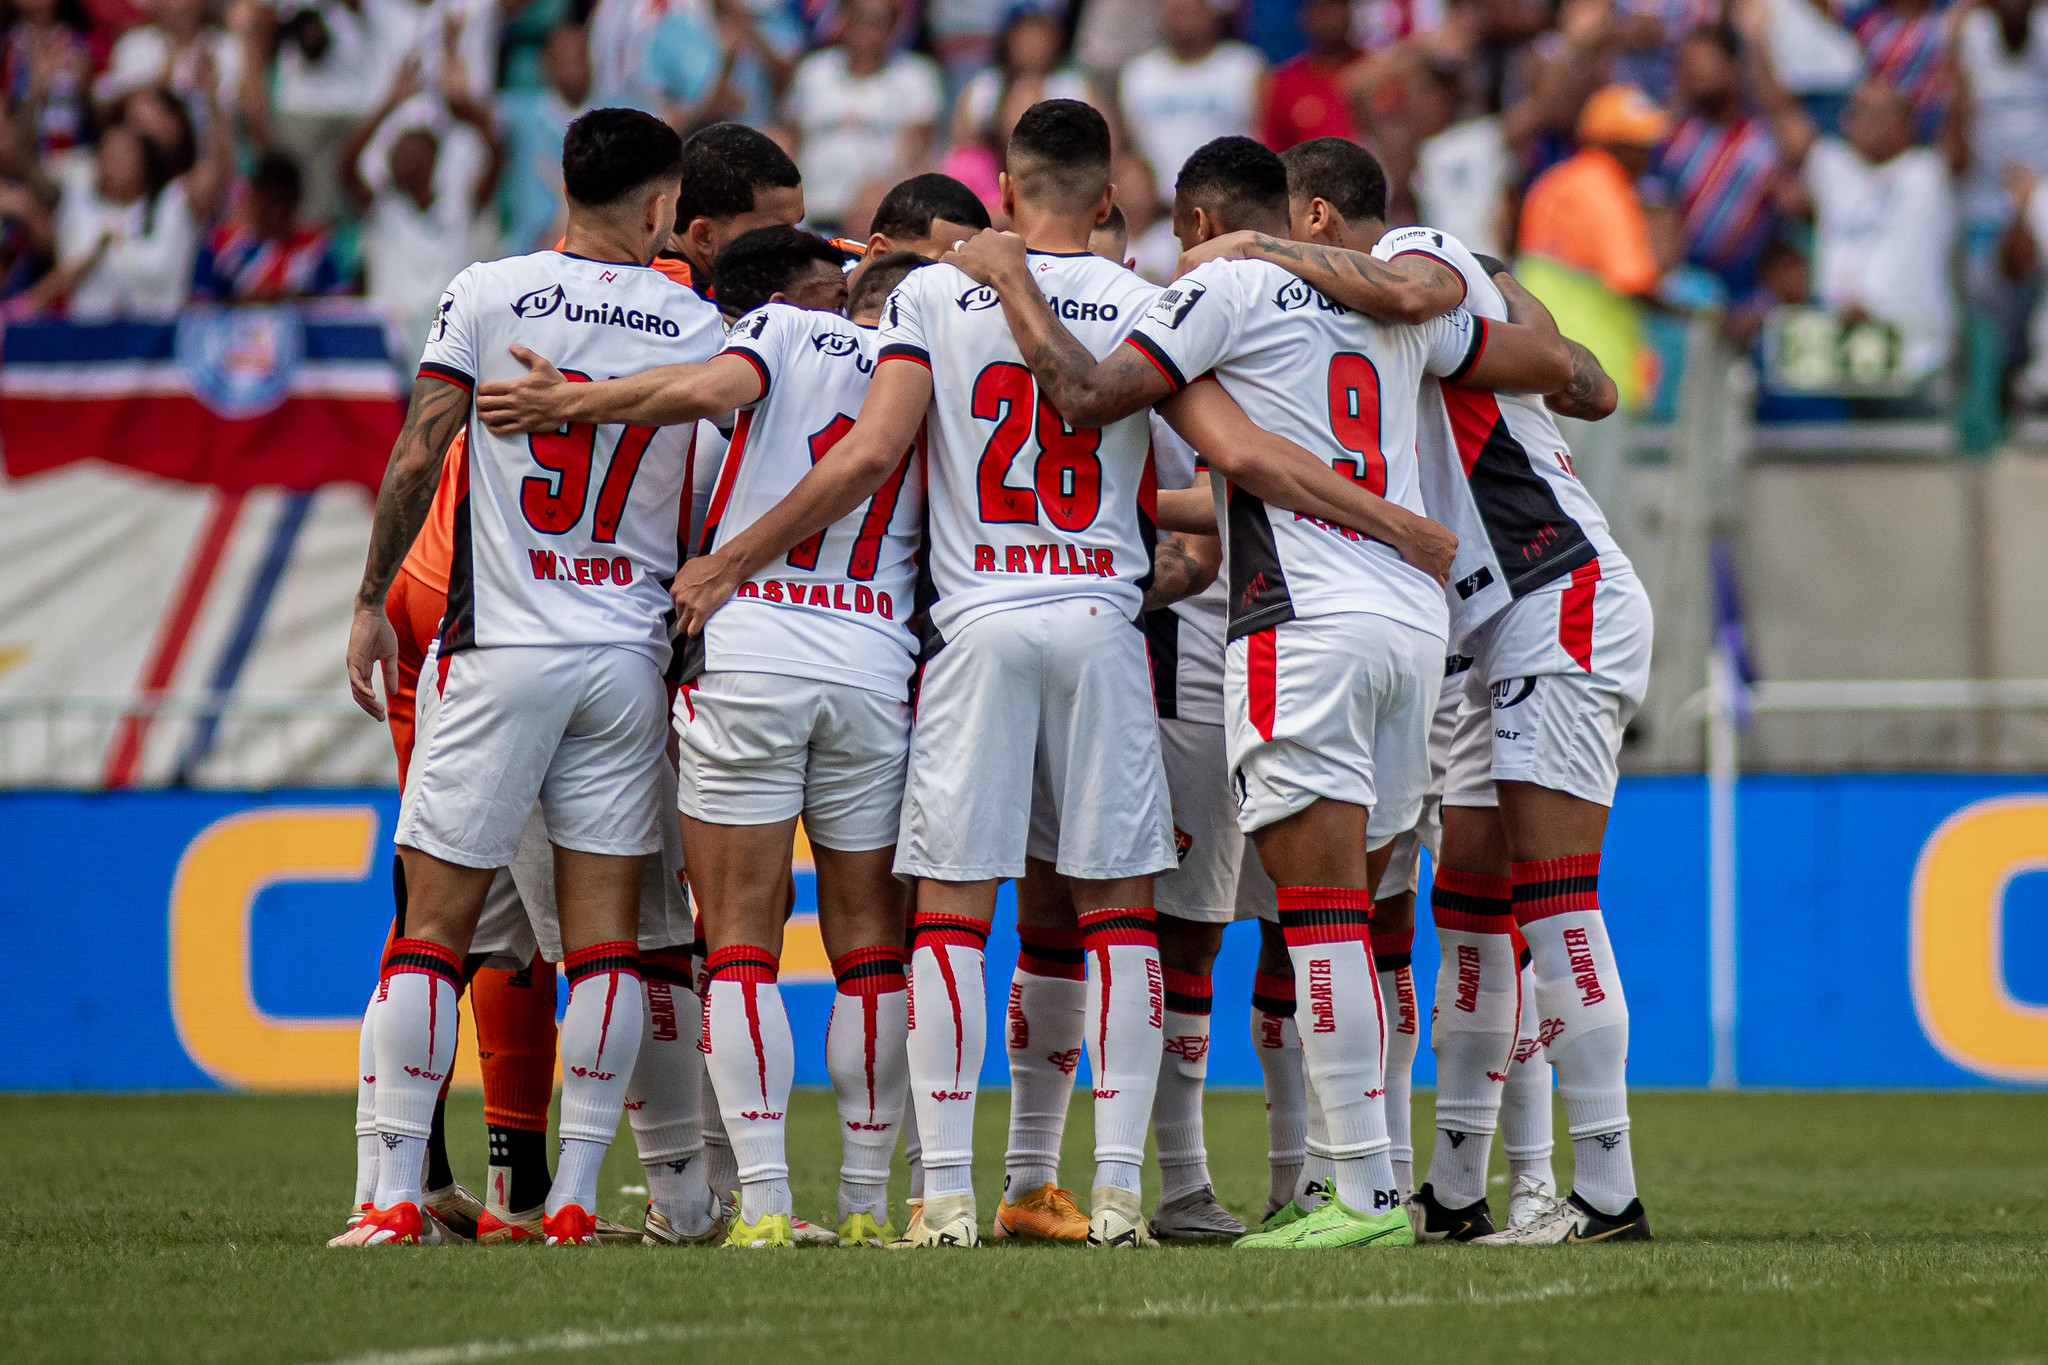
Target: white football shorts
1063, 686
577, 727
1336, 708
1404, 867
755, 748
665, 920
1211, 848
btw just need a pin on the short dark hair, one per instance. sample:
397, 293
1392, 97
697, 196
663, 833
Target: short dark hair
1234, 178
1059, 154
609, 153
724, 166
276, 174
880, 275
1340, 172
908, 209
767, 261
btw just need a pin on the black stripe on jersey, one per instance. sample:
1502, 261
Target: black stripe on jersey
1258, 585
897, 350
923, 598
1464, 290
430, 369
458, 626
760, 365
1471, 356
1162, 642
1160, 360
1535, 542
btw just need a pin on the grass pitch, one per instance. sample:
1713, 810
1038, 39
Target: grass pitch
1792, 1227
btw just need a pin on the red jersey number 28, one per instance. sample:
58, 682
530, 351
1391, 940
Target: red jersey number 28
1066, 483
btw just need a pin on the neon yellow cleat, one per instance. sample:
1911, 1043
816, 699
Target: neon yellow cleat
771, 1231
1334, 1227
861, 1230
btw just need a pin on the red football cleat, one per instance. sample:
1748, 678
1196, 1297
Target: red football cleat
570, 1226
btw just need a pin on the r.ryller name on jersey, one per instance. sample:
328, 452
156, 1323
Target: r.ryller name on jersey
1079, 559
541, 303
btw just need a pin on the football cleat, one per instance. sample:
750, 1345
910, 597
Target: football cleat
1195, 1217
493, 1229
945, 1220
1572, 1219
1333, 1227
1436, 1223
400, 1225
570, 1226
458, 1210
770, 1230
609, 1232
1286, 1215
805, 1233
355, 1216
861, 1230
1530, 1197
1115, 1219
1046, 1214
659, 1232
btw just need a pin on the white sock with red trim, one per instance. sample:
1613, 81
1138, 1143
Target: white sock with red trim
1525, 1118
870, 1069
1047, 1019
948, 1034
416, 1030
1183, 1070
1585, 1017
1473, 1034
601, 1031
1126, 1013
368, 1148
752, 1062
1390, 959
665, 1096
1278, 1048
1342, 1037
721, 1171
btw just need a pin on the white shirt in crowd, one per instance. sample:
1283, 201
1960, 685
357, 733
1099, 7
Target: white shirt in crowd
850, 123
1459, 176
409, 253
146, 270
407, 28
2008, 115
1173, 107
338, 83
142, 57
1876, 228
978, 97
620, 34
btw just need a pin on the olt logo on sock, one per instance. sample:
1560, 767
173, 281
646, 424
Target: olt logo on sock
944, 1095
1067, 1061
589, 1075
867, 1127
756, 1115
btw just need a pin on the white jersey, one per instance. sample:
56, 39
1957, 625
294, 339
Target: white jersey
1335, 382
1186, 637
567, 537
1497, 472
837, 607
1023, 508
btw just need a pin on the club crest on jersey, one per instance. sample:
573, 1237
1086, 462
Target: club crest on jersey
1173, 306
1511, 692
834, 343
539, 303
978, 298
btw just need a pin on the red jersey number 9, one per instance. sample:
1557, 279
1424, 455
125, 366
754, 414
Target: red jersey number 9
1355, 420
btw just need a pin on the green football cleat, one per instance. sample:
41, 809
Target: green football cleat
1333, 1227
861, 1230
771, 1231
1286, 1215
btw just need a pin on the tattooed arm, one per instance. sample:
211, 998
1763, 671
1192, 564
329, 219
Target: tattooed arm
1087, 392
1183, 565
437, 412
1411, 288
1591, 395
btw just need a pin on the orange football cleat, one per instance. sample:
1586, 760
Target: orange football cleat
1046, 1214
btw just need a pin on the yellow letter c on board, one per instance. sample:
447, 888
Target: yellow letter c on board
1958, 959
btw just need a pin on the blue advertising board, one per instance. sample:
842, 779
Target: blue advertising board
1893, 932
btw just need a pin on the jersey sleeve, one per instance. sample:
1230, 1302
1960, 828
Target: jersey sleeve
1189, 329
1453, 344
901, 335
451, 352
1423, 241
757, 339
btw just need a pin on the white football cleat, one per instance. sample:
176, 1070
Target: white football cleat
1195, 1217
1115, 1219
457, 1209
1528, 1200
1572, 1219
946, 1220
808, 1234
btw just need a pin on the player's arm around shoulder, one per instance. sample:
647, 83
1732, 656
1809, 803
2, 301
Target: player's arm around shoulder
1086, 392
848, 475
1591, 395
1412, 288
1182, 566
544, 399
1499, 355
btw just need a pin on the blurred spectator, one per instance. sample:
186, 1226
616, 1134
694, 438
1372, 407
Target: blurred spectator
860, 112
966, 35
264, 254
48, 66
1148, 226
535, 124
203, 161
621, 34
178, 49
1645, 38
323, 88
125, 235
1030, 65
1377, 25
523, 39
1721, 163
1462, 165
1905, 45
429, 33
28, 224
728, 68
1111, 32
1190, 91
420, 171
1305, 99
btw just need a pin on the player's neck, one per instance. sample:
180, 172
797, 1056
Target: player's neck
1061, 236
600, 241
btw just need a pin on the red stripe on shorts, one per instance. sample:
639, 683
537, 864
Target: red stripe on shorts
1575, 615
1261, 667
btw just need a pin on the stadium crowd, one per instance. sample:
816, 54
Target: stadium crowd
1879, 158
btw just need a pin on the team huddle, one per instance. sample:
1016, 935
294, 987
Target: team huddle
988, 559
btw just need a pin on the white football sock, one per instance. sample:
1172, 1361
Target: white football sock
1183, 1068
416, 1030
664, 1099
721, 1170
1278, 1048
752, 1062
1047, 1019
1126, 1013
1525, 1118
601, 1032
1473, 1033
1585, 1017
1390, 958
913, 1145
1342, 1037
948, 1033
367, 1146
1318, 1176
870, 1069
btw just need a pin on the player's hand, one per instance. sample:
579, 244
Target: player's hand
531, 402
1430, 546
701, 587
1231, 246
988, 255
372, 648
